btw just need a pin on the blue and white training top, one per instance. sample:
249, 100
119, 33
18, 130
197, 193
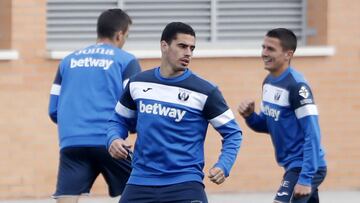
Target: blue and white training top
172, 117
289, 114
87, 86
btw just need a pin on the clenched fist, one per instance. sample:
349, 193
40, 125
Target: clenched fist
246, 108
216, 175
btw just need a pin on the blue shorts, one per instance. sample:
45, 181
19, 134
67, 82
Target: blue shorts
79, 167
285, 192
186, 192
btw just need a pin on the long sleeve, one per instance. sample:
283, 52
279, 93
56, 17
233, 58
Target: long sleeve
306, 112
123, 118
223, 120
257, 122
311, 152
232, 137
132, 68
54, 96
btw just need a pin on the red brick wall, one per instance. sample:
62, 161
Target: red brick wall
5, 24
317, 17
28, 141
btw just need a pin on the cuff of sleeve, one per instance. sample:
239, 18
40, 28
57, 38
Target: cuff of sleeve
111, 139
304, 181
112, 135
226, 173
53, 118
250, 118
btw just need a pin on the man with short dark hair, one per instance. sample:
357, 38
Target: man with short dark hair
289, 114
172, 107
87, 85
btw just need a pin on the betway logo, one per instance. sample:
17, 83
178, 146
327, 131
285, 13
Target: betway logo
91, 62
271, 112
158, 109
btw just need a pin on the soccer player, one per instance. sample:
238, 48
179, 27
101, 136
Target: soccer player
289, 114
87, 86
172, 107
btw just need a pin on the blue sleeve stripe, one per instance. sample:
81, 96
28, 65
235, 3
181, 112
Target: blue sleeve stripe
222, 119
306, 110
124, 111
168, 94
55, 89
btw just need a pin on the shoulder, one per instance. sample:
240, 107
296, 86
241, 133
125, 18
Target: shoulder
65, 62
124, 54
144, 76
70, 56
199, 84
300, 91
297, 76
299, 83
294, 81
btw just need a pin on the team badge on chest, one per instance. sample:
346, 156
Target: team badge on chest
183, 95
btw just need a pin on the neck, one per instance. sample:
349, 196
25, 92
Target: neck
167, 71
105, 41
280, 70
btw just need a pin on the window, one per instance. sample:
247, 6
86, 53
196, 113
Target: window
71, 24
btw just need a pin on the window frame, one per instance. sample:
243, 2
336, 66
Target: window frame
210, 48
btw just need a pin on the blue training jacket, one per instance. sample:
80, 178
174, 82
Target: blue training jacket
172, 116
86, 88
289, 114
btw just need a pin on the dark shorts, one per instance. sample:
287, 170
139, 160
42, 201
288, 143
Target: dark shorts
186, 192
79, 167
285, 192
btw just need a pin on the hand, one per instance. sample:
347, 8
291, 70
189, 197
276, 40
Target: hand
216, 175
246, 108
301, 190
119, 149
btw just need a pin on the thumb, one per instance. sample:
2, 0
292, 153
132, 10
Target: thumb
126, 144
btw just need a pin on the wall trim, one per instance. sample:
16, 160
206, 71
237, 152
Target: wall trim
7, 54
307, 51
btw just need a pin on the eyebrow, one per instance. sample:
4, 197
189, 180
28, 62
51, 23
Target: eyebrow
186, 45
268, 47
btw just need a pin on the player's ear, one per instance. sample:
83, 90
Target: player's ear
289, 54
118, 35
163, 45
